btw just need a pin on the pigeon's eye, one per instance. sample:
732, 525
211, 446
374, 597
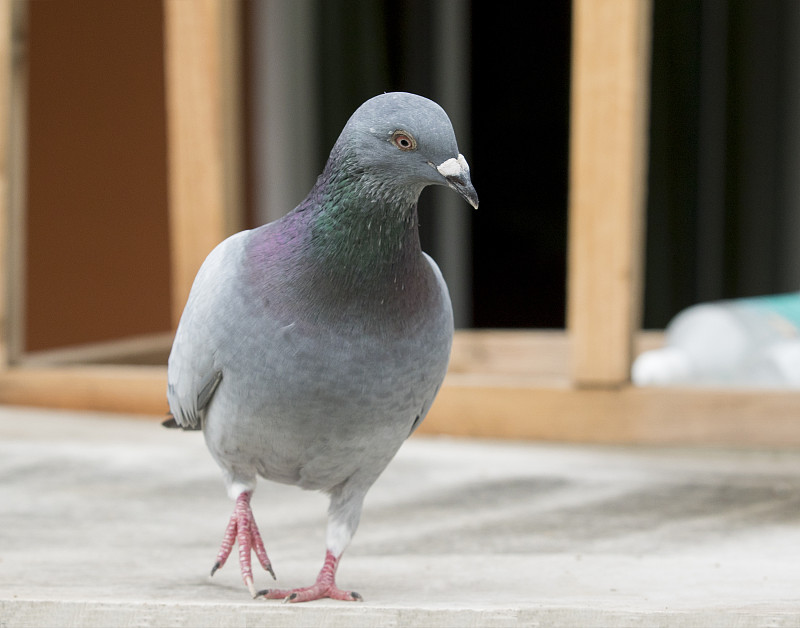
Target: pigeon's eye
404, 141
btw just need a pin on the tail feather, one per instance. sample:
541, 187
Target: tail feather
171, 423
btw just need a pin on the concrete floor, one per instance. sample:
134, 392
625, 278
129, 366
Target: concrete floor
109, 521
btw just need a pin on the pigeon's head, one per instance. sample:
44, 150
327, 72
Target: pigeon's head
405, 140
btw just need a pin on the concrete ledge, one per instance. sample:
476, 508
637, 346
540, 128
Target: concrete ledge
46, 613
108, 521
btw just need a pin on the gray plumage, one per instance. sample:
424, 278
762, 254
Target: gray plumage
311, 347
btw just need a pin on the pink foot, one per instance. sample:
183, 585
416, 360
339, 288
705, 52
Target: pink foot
325, 586
242, 529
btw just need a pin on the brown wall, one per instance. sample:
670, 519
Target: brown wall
97, 239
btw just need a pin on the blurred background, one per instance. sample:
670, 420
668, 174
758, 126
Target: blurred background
723, 199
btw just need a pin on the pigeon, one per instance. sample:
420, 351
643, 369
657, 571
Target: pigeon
311, 347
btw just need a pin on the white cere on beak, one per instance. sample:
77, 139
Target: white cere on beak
453, 167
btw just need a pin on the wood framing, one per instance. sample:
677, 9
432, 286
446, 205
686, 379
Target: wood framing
547, 385
608, 156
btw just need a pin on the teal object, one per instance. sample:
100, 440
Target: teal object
787, 306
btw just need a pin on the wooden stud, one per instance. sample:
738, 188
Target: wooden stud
203, 119
611, 43
6, 51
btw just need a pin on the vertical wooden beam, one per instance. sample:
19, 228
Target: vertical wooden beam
202, 47
608, 164
8, 265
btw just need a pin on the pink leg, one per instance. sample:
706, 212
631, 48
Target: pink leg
242, 528
325, 586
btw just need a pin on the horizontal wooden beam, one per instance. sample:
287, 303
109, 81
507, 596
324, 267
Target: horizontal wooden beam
663, 416
490, 405
126, 389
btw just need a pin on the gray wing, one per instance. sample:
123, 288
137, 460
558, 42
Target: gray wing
190, 416
447, 331
192, 374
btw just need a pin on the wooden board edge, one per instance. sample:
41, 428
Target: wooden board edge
627, 415
493, 409
115, 389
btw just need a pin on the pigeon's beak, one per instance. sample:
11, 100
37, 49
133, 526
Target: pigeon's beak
456, 172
